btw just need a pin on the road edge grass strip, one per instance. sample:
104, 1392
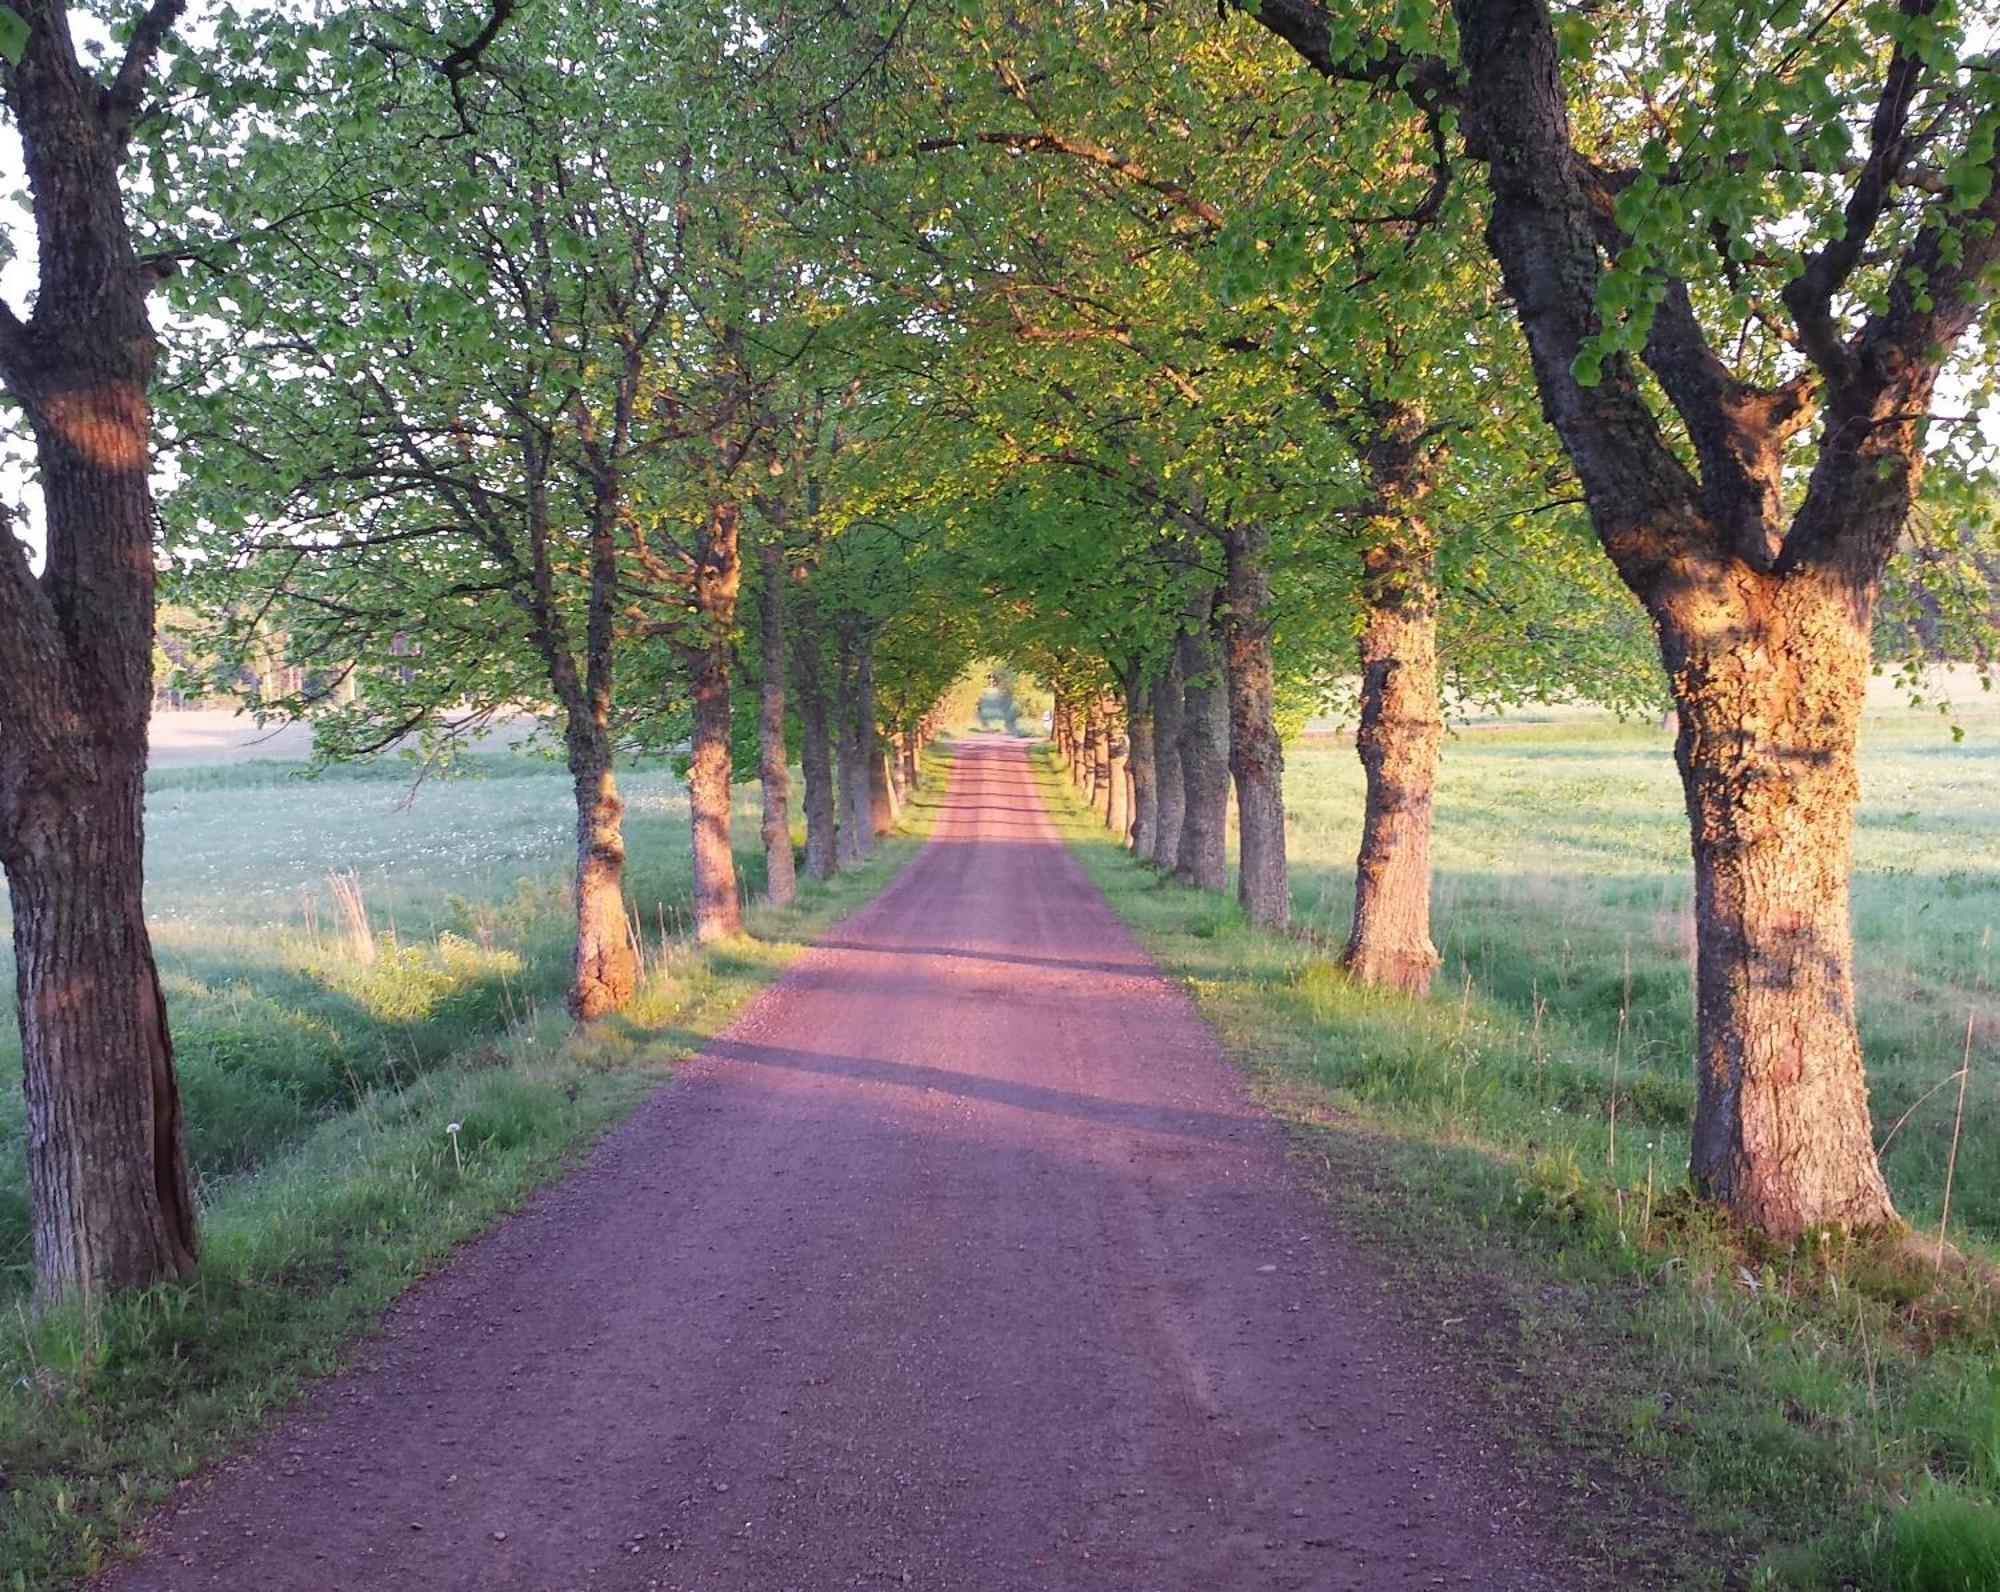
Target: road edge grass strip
102, 1415
1705, 1414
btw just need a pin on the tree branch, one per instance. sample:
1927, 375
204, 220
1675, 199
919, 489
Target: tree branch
127, 93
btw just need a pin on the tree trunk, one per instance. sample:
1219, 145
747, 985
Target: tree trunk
1145, 790
1100, 768
913, 763
1202, 860
111, 1205
1086, 753
110, 1201
1117, 775
1402, 723
606, 965
1401, 731
815, 751
773, 765
1167, 698
1256, 755
857, 721
883, 806
1770, 675
718, 910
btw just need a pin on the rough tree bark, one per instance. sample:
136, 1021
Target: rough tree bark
1202, 858
1145, 786
773, 765
1167, 696
815, 743
1256, 755
605, 970
110, 1201
1402, 722
718, 910
1766, 750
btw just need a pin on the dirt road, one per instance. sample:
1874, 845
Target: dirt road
960, 1263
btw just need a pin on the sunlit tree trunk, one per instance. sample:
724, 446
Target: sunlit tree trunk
1770, 676
1402, 721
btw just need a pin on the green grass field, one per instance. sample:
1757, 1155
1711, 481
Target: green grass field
1714, 1416
320, 1084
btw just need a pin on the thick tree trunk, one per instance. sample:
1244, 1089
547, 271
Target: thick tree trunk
110, 1201
606, 966
1402, 729
913, 763
1167, 698
1402, 721
857, 729
1145, 790
1769, 675
1256, 755
1202, 860
815, 753
718, 910
773, 765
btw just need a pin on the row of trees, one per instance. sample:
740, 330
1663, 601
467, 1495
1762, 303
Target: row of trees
1733, 257
729, 381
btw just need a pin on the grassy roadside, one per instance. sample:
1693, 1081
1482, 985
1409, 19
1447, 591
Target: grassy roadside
1707, 1416
99, 1419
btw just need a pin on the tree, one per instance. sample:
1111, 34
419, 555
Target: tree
107, 1163
1792, 257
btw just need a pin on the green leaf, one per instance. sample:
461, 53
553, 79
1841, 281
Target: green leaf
13, 36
